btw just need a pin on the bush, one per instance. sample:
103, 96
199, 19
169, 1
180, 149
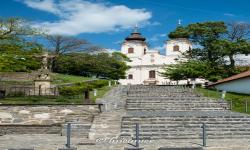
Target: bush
16, 94
99, 83
79, 88
70, 90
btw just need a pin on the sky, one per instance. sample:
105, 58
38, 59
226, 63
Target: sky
107, 22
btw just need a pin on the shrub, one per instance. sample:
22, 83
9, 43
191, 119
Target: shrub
70, 90
79, 88
99, 83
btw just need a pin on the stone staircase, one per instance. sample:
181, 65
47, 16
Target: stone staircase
162, 113
175, 103
106, 125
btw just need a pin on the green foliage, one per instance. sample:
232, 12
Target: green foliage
99, 83
16, 58
180, 32
214, 42
238, 100
16, 53
186, 70
64, 78
79, 88
71, 90
99, 65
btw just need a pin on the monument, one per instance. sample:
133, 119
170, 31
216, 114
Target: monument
43, 79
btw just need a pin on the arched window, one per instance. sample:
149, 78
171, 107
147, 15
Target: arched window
131, 50
152, 74
130, 76
176, 48
145, 51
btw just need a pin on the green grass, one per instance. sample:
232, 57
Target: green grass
63, 78
238, 100
16, 82
77, 99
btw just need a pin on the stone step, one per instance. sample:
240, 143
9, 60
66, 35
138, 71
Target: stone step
77, 129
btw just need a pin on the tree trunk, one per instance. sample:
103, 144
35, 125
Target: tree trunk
232, 61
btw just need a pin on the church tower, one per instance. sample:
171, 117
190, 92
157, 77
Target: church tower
177, 46
134, 45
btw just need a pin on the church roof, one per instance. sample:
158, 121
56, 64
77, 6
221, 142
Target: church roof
135, 36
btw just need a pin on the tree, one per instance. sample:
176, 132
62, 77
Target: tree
236, 41
19, 58
99, 65
205, 35
192, 69
16, 51
180, 32
14, 29
59, 44
64, 44
214, 42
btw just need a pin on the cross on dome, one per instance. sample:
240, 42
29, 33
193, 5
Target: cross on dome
136, 28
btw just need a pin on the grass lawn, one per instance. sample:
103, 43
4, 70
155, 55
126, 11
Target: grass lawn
77, 99
238, 100
63, 78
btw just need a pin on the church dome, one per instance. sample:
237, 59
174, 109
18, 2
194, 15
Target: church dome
135, 36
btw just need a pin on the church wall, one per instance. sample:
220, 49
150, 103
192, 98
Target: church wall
183, 46
138, 48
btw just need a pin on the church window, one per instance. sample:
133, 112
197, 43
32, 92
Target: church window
152, 74
130, 50
130, 76
145, 51
176, 48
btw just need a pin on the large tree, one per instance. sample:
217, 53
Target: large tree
214, 41
99, 65
60, 44
236, 41
16, 50
14, 29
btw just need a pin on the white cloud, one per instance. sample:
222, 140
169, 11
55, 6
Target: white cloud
45, 5
81, 16
229, 14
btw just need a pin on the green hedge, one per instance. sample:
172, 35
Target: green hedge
79, 88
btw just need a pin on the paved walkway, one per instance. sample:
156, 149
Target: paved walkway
53, 142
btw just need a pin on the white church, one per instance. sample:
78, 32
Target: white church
146, 63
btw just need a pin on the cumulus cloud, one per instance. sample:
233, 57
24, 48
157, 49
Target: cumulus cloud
45, 5
81, 16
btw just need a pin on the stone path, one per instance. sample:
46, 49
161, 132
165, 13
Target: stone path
53, 142
107, 125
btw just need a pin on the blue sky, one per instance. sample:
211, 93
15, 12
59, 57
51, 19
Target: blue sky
108, 22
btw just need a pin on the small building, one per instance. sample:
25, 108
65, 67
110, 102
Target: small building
239, 83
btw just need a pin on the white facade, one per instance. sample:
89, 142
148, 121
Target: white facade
146, 64
238, 86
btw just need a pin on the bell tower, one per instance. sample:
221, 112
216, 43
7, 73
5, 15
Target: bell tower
134, 45
177, 46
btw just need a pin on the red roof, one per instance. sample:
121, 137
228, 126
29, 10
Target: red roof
235, 77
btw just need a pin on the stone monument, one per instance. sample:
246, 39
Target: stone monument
43, 80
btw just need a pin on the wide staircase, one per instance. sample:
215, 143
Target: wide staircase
172, 112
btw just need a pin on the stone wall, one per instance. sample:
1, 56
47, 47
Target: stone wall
43, 118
